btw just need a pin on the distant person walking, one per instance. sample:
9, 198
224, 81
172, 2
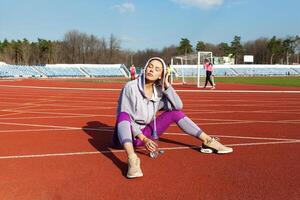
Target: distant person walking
132, 72
209, 69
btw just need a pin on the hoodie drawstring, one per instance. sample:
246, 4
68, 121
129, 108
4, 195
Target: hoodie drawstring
154, 134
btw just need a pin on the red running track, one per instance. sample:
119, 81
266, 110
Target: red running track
55, 144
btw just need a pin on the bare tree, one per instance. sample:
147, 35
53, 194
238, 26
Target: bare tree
258, 49
114, 47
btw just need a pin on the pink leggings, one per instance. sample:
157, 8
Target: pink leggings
163, 121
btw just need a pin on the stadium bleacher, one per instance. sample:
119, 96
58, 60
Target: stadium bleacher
265, 71
297, 70
105, 70
18, 71
64, 70
120, 70
60, 71
239, 70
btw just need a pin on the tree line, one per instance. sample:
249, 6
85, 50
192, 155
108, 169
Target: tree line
79, 47
264, 50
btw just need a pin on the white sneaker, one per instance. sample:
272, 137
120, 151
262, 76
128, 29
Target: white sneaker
215, 147
134, 167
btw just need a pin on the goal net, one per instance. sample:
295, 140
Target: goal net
188, 69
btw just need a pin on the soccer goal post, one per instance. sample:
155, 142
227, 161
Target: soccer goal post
188, 69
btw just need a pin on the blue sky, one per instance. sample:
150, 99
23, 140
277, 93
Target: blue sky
142, 24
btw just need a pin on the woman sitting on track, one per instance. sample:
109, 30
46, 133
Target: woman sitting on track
137, 124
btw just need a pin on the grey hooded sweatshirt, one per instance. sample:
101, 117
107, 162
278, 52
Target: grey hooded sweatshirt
141, 109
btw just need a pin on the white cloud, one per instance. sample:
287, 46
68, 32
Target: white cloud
128, 39
125, 7
205, 4
234, 3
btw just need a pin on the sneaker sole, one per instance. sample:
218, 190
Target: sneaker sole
224, 152
210, 150
135, 176
205, 150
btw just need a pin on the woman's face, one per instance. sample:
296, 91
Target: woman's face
154, 70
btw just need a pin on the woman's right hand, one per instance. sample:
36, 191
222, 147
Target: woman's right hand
150, 144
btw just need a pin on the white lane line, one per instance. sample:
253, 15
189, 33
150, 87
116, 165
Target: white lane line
8, 114
253, 101
244, 91
232, 145
61, 96
51, 126
70, 104
38, 125
42, 111
59, 106
56, 154
118, 151
199, 121
247, 121
111, 129
114, 89
253, 106
22, 106
239, 137
60, 88
195, 111
291, 120
295, 121
221, 123
52, 113
68, 98
36, 130
54, 117
264, 143
250, 122
254, 138
12, 80
64, 109
57, 129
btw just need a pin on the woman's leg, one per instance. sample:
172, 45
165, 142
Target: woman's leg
213, 79
123, 129
189, 127
164, 120
206, 78
210, 81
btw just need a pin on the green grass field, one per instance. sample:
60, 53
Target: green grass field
293, 81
